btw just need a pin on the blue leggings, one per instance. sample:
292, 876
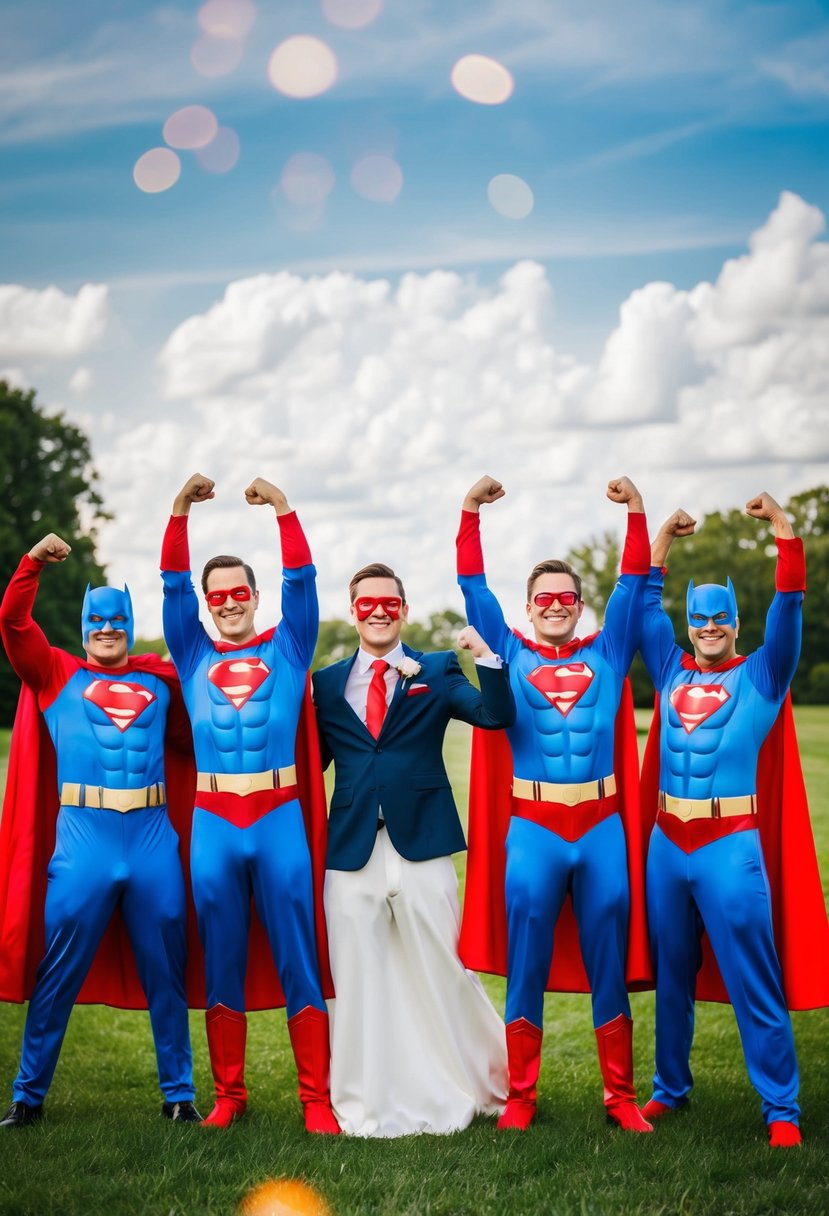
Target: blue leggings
103, 859
270, 861
722, 887
541, 869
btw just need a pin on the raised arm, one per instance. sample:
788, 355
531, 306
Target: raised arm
26, 644
658, 642
773, 666
482, 608
623, 614
297, 631
181, 605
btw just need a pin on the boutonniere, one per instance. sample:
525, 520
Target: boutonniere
407, 668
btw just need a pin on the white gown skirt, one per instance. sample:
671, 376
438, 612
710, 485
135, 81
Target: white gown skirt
416, 1045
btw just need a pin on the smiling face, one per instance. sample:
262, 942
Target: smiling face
107, 626
379, 632
554, 624
715, 641
233, 617
713, 624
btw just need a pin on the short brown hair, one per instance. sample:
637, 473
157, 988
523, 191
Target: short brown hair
225, 561
552, 565
374, 570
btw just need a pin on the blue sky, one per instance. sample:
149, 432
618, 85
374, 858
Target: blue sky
632, 316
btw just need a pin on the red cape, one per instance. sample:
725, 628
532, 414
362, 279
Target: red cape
801, 929
27, 841
483, 939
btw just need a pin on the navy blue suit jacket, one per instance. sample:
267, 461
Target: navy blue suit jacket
403, 769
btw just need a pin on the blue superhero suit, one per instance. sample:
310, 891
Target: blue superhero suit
249, 836
115, 847
565, 834
705, 863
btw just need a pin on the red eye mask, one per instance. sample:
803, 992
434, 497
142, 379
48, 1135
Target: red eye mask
365, 606
216, 598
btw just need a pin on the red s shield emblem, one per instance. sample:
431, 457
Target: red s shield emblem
121, 702
562, 686
696, 702
238, 679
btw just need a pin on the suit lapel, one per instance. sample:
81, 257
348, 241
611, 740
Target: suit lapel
399, 694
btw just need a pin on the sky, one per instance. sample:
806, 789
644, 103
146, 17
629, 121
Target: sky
373, 249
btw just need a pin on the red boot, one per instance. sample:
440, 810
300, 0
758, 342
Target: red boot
309, 1038
654, 1109
783, 1134
615, 1043
226, 1036
524, 1059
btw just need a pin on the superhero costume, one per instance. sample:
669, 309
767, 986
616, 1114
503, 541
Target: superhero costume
114, 879
249, 835
724, 741
568, 805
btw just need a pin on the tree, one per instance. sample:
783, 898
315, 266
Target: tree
48, 485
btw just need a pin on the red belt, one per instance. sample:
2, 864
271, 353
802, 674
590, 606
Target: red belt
568, 822
242, 810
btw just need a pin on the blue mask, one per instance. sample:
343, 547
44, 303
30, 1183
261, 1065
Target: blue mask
110, 607
708, 601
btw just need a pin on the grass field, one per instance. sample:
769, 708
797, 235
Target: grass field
103, 1147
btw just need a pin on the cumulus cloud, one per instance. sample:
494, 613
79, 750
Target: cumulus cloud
376, 405
50, 323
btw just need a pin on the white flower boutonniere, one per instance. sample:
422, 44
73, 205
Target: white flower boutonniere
407, 668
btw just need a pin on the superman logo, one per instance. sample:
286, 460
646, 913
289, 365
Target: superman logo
562, 686
238, 679
121, 702
696, 702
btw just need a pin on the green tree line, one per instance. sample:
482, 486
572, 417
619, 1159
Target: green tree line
50, 485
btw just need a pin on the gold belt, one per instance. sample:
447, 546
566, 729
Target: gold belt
707, 808
73, 793
567, 795
246, 783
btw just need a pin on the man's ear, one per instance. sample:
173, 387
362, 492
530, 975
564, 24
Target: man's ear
404, 612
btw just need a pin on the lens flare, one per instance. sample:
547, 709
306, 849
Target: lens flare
481, 79
192, 127
156, 170
212, 56
351, 14
302, 66
377, 178
227, 18
222, 153
510, 196
307, 179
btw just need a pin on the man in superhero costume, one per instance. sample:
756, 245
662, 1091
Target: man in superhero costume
244, 694
706, 867
417, 1045
115, 846
574, 796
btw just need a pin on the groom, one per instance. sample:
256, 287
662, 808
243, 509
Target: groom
416, 1044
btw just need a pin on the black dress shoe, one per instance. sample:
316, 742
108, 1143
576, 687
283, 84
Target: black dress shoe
20, 1114
181, 1112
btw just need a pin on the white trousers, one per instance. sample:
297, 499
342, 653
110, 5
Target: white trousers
416, 1045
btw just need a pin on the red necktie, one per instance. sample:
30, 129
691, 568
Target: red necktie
376, 699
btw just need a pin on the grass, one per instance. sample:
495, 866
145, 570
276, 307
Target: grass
103, 1147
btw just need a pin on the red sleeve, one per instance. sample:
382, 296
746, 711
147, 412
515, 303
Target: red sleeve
175, 549
470, 556
26, 645
636, 558
790, 574
295, 550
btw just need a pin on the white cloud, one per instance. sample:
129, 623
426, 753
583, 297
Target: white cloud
49, 323
375, 408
